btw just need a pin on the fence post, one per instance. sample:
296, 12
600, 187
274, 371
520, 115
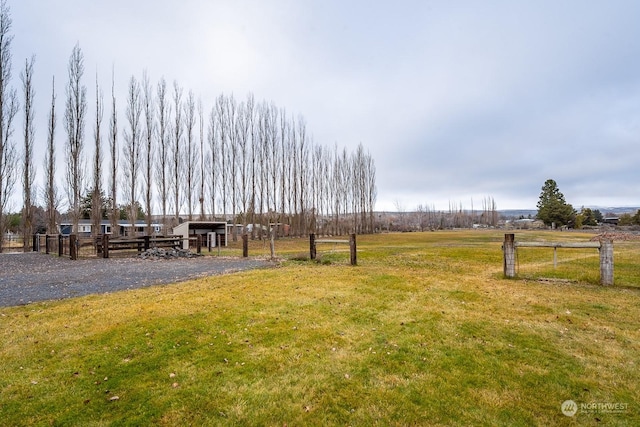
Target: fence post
508, 249
272, 244
606, 262
312, 246
46, 244
105, 246
147, 241
352, 247
198, 243
35, 243
60, 245
245, 245
73, 248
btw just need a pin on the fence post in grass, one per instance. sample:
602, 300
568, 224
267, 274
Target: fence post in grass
60, 245
312, 246
147, 242
73, 248
272, 244
509, 250
606, 262
199, 243
46, 244
352, 249
35, 243
105, 246
245, 245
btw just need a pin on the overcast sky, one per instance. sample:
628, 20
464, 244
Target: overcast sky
456, 101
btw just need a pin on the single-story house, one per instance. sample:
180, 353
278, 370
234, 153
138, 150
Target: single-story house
124, 228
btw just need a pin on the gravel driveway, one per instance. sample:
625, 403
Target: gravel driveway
31, 277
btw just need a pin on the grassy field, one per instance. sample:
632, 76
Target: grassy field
424, 331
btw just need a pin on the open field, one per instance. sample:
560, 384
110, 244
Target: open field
424, 331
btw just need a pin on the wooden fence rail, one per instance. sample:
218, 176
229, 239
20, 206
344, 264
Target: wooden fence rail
605, 247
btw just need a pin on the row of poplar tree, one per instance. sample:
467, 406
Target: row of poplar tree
244, 162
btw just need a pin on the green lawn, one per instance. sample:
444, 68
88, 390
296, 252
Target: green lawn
424, 331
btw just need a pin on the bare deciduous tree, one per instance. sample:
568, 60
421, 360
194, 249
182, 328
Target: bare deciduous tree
221, 128
164, 111
132, 148
202, 156
113, 150
212, 180
28, 171
8, 110
176, 150
75, 115
51, 191
97, 193
147, 101
191, 155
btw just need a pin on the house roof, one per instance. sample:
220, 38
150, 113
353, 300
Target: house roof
121, 223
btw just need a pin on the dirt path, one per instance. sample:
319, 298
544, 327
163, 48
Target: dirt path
33, 277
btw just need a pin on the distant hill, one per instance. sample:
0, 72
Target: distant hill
517, 213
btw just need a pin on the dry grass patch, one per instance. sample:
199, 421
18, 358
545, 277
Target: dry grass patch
423, 331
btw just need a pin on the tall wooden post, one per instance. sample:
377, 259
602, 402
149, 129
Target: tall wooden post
509, 250
272, 244
312, 246
245, 245
105, 246
46, 244
606, 262
36, 243
73, 247
352, 249
147, 242
60, 245
199, 243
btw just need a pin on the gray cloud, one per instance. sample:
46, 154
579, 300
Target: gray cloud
456, 101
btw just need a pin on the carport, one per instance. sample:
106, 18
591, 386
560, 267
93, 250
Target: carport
212, 232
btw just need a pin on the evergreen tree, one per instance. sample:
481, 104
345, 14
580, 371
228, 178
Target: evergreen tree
552, 207
586, 217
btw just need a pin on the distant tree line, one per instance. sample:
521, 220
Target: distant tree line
424, 217
242, 161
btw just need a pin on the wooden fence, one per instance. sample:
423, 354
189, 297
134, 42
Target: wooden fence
351, 242
105, 245
71, 245
60, 244
605, 247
